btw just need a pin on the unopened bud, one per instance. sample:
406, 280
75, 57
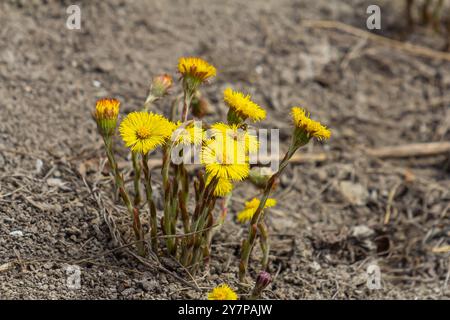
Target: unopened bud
259, 176
262, 281
160, 87
105, 114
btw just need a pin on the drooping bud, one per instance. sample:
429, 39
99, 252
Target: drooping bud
262, 281
105, 114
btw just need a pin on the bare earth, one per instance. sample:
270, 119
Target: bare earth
329, 224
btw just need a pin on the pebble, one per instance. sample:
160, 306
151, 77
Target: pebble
315, 266
128, 292
148, 285
39, 165
16, 233
361, 232
354, 193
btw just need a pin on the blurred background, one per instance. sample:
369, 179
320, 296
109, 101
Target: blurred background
378, 193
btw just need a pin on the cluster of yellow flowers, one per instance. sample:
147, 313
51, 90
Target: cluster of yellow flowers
224, 154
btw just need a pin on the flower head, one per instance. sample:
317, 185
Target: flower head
309, 127
245, 140
222, 292
242, 107
105, 114
192, 134
196, 69
223, 187
225, 159
250, 209
143, 131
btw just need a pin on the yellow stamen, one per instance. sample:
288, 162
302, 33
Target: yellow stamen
143, 133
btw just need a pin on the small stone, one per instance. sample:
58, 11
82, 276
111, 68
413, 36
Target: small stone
39, 165
48, 265
321, 175
106, 65
287, 76
72, 231
148, 285
354, 193
361, 232
16, 233
128, 292
52, 182
315, 266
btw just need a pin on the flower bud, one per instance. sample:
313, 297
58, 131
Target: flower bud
105, 114
160, 87
262, 281
259, 176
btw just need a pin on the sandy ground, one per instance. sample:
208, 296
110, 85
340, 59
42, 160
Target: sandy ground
329, 224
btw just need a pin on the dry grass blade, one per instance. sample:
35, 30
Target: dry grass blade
394, 44
443, 249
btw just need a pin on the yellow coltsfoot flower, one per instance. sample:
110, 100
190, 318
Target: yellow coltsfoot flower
224, 186
192, 134
222, 292
242, 107
195, 69
308, 127
225, 160
250, 209
233, 132
143, 131
105, 114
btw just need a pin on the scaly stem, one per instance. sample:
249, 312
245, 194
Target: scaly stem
264, 242
187, 98
224, 210
134, 213
174, 107
167, 228
137, 179
218, 225
202, 210
201, 242
248, 244
183, 199
151, 204
188, 242
174, 206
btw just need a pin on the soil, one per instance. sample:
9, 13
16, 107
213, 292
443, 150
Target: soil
328, 226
